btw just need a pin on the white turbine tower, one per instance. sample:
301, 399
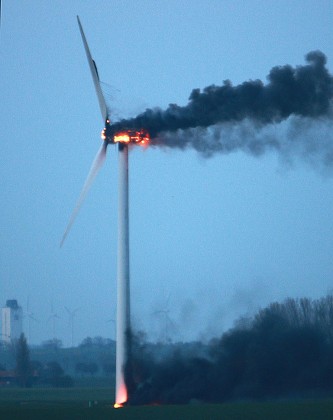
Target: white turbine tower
124, 139
53, 317
71, 316
30, 317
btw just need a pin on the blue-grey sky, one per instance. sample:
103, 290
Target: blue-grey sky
221, 236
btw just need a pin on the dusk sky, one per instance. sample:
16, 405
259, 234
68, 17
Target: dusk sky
211, 239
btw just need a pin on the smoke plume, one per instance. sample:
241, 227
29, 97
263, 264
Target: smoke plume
227, 118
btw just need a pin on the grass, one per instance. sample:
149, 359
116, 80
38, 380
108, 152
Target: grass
58, 395
72, 404
94, 382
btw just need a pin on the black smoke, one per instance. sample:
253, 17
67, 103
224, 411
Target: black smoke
225, 118
285, 350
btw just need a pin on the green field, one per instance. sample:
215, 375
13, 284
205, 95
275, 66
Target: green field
71, 404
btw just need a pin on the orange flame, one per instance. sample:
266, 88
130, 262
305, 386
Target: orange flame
121, 138
121, 396
140, 137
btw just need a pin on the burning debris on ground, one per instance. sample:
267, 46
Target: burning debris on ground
284, 350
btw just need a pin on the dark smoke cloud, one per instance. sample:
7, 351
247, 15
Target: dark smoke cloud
228, 118
284, 350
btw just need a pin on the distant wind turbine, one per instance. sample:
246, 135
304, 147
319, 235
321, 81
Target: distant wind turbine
53, 317
168, 323
31, 317
71, 315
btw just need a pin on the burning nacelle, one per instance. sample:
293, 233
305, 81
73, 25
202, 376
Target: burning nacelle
127, 136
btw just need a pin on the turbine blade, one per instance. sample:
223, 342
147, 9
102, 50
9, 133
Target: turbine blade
94, 73
95, 167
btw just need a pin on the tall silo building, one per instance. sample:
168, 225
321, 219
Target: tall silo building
12, 316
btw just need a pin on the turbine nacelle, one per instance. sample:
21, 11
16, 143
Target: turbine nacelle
127, 136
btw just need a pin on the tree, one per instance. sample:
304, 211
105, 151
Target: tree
87, 342
53, 344
52, 374
54, 369
92, 368
89, 367
108, 368
23, 365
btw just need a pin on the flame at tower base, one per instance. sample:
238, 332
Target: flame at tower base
123, 280
121, 396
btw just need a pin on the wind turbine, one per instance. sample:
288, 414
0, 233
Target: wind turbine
53, 317
168, 323
31, 317
124, 139
71, 315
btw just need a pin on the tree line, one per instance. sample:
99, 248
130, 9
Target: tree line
29, 373
51, 365
284, 350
